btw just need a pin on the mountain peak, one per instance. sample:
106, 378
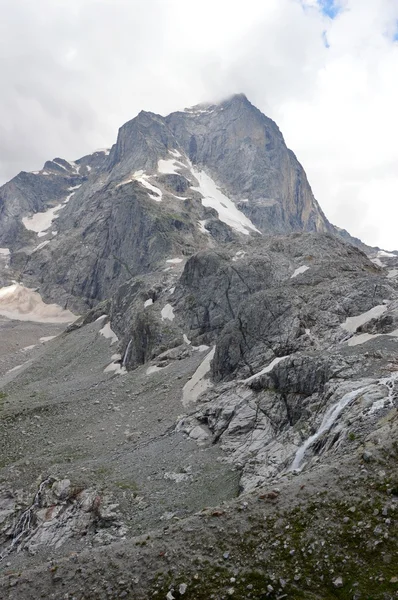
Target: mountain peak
208, 107
241, 98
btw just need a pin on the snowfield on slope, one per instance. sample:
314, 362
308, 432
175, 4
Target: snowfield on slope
227, 211
198, 384
266, 369
299, 271
142, 178
351, 324
24, 304
109, 334
169, 167
41, 221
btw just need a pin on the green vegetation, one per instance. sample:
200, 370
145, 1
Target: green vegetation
301, 553
127, 485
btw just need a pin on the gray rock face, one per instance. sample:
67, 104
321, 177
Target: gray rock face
286, 317
118, 213
30, 193
112, 237
246, 153
255, 304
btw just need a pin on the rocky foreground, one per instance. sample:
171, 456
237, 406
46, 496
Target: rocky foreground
247, 384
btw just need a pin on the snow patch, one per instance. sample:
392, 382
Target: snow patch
107, 332
148, 302
41, 221
357, 340
47, 338
68, 198
40, 246
299, 270
74, 166
198, 384
266, 369
227, 211
240, 254
175, 153
168, 313
24, 304
59, 165
392, 273
15, 368
377, 262
115, 367
155, 369
202, 226
158, 193
382, 253
174, 261
169, 167
4, 252
365, 337
351, 324
194, 110
143, 180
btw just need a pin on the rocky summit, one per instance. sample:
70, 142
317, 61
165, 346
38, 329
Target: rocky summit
198, 375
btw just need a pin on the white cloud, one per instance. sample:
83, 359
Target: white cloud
73, 71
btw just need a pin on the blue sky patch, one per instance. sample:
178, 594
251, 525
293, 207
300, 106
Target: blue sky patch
330, 8
325, 39
395, 36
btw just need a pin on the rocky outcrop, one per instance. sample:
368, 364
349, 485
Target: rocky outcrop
59, 511
286, 318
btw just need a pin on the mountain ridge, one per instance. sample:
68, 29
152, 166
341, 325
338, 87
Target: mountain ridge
221, 419
242, 150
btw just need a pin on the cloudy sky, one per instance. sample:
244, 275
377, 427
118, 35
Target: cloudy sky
326, 71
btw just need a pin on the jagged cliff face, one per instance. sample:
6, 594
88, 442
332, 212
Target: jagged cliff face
246, 152
167, 187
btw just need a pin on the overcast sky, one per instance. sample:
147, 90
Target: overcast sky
73, 71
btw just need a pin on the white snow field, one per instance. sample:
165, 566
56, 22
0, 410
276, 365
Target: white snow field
299, 271
227, 211
351, 324
24, 304
198, 384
